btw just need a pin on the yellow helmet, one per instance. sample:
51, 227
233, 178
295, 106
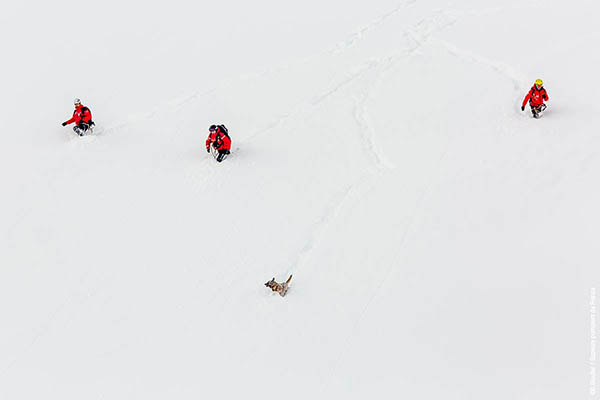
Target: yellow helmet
539, 82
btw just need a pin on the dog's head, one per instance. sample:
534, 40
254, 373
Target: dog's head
274, 286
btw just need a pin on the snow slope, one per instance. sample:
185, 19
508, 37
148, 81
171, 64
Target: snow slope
443, 243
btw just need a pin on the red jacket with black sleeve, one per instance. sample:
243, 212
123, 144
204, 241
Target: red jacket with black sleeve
536, 96
81, 114
219, 140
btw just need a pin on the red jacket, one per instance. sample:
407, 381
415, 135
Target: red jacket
536, 96
219, 139
81, 114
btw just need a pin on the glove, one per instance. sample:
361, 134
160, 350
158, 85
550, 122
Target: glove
64, 124
522, 108
208, 149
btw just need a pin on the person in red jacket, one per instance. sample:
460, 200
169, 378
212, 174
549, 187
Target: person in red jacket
218, 138
536, 96
82, 116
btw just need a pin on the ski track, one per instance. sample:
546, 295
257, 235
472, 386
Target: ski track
361, 117
330, 213
419, 35
395, 261
337, 49
365, 126
170, 106
517, 78
274, 124
346, 81
358, 35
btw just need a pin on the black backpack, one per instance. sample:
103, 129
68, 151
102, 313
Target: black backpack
224, 130
83, 110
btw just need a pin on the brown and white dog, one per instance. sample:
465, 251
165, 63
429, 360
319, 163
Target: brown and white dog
280, 288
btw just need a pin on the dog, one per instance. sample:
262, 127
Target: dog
280, 288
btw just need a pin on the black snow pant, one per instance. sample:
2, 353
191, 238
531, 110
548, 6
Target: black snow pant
222, 154
82, 127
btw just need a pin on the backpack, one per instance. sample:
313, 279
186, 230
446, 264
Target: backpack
224, 130
84, 109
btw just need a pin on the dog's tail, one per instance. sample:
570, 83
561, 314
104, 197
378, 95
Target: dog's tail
289, 279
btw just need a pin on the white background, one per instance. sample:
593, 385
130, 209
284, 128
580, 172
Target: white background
442, 242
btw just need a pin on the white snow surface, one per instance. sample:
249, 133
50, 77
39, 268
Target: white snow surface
443, 243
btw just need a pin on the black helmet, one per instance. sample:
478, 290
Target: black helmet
212, 128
